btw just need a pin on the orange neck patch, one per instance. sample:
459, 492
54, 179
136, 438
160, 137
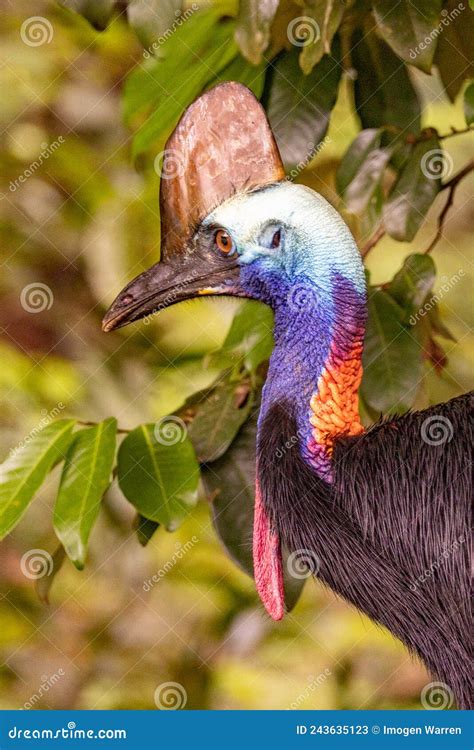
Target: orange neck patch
335, 405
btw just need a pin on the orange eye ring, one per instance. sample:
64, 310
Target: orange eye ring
224, 242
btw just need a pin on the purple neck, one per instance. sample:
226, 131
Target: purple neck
315, 365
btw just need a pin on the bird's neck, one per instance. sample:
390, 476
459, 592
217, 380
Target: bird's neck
316, 365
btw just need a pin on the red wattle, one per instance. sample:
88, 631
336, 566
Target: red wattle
267, 562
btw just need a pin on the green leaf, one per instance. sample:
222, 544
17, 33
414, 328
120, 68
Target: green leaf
22, 474
299, 106
320, 19
230, 482
154, 20
44, 583
415, 190
148, 85
384, 94
194, 54
85, 478
412, 283
145, 529
159, 479
454, 53
362, 145
218, 418
409, 28
252, 76
391, 359
253, 27
362, 169
250, 338
97, 12
370, 218
469, 104
436, 324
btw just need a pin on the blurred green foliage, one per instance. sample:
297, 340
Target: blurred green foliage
87, 112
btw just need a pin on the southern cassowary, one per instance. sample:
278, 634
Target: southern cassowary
381, 515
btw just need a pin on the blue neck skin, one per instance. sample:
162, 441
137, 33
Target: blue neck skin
308, 320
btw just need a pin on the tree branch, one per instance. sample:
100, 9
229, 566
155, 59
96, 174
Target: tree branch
372, 241
84, 423
451, 186
455, 131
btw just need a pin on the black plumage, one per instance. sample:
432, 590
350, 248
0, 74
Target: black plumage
392, 533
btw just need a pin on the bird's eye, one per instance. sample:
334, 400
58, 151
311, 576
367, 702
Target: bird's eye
224, 242
276, 239
272, 236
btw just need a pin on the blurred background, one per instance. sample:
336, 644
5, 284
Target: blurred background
83, 221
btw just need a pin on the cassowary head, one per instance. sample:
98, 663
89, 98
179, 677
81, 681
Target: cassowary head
231, 224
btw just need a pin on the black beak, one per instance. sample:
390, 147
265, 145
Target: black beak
184, 277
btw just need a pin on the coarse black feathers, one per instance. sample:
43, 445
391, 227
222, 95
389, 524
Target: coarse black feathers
391, 534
